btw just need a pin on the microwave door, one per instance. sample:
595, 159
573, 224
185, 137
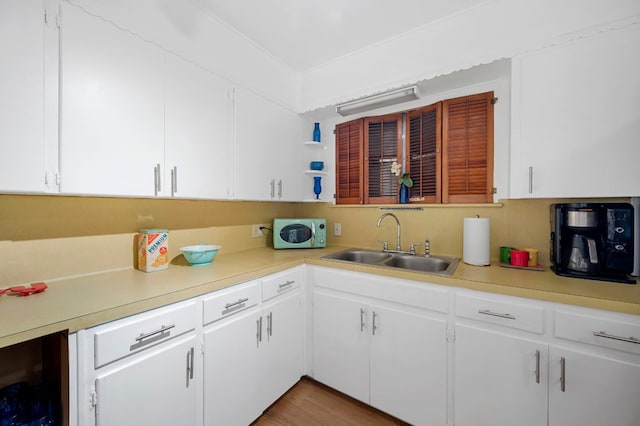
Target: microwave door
296, 234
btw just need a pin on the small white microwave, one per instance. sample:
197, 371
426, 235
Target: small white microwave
299, 233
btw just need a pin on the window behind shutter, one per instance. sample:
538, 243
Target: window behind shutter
383, 146
349, 149
423, 152
468, 149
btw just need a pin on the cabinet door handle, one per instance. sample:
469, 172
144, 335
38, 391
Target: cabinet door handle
280, 188
563, 374
270, 324
174, 180
156, 179
162, 329
537, 366
373, 323
259, 331
614, 337
496, 314
273, 188
530, 179
362, 312
189, 365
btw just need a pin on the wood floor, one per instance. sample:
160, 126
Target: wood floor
310, 403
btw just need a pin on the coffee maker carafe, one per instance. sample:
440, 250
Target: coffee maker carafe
593, 241
583, 254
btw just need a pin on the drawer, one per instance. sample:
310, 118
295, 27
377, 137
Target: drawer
501, 311
224, 303
614, 331
417, 294
134, 334
280, 283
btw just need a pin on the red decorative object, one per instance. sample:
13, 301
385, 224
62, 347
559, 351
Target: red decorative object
21, 290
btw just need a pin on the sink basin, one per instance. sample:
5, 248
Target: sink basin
359, 256
441, 265
436, 264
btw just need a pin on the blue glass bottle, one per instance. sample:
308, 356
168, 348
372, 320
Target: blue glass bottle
316, 132
317, 188
404, 194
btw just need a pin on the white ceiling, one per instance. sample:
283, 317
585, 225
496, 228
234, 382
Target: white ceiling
306, 33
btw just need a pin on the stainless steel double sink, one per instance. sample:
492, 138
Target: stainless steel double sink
440, 265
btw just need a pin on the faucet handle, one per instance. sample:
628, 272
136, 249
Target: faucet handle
412, 249
385, 245
427, 247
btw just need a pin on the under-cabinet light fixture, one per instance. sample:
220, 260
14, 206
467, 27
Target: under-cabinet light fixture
379, 100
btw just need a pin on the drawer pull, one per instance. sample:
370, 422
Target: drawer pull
239, 302
496, 314
285, 285
537, 366
563, 374
161, 330
620, 338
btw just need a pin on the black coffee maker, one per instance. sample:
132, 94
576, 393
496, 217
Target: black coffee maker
593, 241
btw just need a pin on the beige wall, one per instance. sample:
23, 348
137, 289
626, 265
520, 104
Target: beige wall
35, 217
30, 221
517, 223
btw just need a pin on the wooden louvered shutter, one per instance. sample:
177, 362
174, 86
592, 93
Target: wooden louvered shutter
467, 148
382, 146
424, 139
349, 149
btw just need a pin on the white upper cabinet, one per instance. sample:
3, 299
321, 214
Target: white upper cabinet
23, 150
136, 120
575, 118
112, 109
267, 150
198, 159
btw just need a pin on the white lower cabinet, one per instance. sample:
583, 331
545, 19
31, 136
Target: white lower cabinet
139, 370
500, 379
392, 356
155, 389
252, 353
581, 369
231, 370
589, 389
424, 353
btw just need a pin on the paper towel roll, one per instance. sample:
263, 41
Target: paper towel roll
476, 233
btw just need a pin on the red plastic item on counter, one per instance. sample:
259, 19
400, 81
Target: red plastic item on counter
25, 291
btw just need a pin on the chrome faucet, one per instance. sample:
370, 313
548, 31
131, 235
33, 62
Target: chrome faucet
398, 247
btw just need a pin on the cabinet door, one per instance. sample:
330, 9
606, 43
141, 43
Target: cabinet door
231, 371
112, 108
341, 344
267, 137
22, 149
574, 119
197, 116
596, 391
154, 389
281, 351
495, 379
409, 366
